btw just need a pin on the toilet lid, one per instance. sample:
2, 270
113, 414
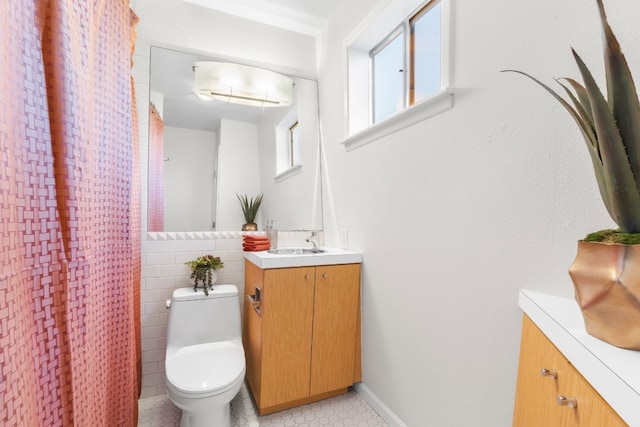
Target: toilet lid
205, 368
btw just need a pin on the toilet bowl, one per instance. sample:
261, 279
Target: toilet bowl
205, 364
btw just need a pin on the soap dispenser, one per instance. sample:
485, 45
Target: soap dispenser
272, 233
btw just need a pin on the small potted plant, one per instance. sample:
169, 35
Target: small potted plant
204, 270
606, 272
250, 208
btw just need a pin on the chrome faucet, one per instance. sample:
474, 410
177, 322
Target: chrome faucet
313, 239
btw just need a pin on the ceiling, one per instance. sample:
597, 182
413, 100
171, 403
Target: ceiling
172, 75
303, 16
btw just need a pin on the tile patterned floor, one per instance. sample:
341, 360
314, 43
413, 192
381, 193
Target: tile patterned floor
347, 410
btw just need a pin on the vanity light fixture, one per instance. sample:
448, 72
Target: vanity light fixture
241, 84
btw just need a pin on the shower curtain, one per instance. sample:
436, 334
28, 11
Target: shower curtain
69, 208
155, 199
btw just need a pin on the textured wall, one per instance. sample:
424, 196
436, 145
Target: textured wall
456, 213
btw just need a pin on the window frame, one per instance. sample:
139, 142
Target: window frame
411, 50
406, 30
399, 31
294, 144
359, 128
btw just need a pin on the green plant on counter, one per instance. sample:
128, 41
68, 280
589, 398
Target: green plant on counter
202, 269
250, 207
611, 129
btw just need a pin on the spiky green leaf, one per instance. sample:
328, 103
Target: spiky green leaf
622, 95
592, 141
619, 178
583, 97
589, 136
250, 206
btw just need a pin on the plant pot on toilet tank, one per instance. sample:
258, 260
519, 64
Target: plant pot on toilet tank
606, 272
204, 271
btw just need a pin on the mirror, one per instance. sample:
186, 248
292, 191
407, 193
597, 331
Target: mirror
202, 153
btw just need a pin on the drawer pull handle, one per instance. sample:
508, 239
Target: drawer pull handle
569, 402
549, 373
324, 275
306, 277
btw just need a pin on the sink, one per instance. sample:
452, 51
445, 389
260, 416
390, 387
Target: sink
295, 251
302, 257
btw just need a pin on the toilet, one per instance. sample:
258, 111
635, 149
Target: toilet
204, 364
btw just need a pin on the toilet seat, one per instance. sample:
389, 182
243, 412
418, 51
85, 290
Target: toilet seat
206, 369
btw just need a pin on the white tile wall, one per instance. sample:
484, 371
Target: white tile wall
163, 270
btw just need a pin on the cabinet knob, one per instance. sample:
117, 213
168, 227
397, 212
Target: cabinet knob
324, 275
306, 277
566, 401
549, 373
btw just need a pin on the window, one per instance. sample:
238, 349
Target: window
287, 139
405, 67
425, 53
397, 69
294, 151
387, 65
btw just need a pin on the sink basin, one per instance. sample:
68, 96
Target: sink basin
295, 251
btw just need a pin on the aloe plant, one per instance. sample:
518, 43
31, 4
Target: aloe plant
250, 207
610, 127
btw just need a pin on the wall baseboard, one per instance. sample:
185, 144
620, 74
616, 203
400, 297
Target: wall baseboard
385, 413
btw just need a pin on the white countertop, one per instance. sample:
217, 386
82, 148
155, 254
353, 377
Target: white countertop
612, 371
331, 256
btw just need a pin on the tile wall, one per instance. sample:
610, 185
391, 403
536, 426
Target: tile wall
163, 270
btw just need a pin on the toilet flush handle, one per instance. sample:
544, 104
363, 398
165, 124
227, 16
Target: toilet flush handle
167, 303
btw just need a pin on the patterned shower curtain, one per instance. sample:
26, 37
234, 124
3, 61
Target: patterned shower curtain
155, 199
69, 208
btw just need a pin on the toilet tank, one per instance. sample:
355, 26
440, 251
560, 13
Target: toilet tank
195, 318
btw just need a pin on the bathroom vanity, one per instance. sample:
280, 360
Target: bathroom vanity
301, 331
569, 378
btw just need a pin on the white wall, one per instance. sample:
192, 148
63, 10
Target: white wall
190, 157
293, 202
457, 213
239, 171
185, 26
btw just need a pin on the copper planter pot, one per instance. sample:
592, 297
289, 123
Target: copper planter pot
606, 278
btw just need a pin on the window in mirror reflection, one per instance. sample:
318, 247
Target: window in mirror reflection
294, 156
288, 142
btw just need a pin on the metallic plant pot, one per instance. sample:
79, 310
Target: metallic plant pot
606, 278
251, 226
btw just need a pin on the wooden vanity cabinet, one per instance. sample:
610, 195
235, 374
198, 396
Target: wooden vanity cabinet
537, 391
302, 338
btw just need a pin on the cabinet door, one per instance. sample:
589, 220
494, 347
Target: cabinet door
287, 314
337, 296
592, 410
535, 404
